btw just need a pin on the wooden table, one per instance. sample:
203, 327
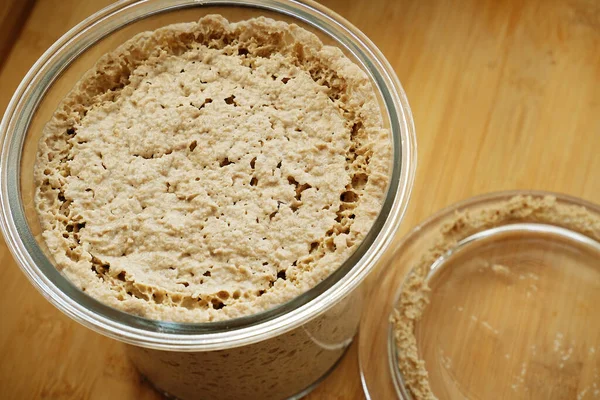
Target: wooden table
505, 95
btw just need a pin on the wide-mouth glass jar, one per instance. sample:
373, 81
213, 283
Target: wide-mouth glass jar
312, 330
492, 297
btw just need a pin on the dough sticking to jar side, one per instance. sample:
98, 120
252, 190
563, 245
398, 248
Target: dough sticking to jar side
211, 170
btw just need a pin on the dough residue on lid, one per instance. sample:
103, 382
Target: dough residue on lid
210, 170
414, 295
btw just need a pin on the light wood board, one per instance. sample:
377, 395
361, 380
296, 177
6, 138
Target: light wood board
505, 95
13, 14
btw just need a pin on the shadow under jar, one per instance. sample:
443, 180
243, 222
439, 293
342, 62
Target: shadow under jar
280, 353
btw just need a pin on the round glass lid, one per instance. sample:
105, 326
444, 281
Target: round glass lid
494, 298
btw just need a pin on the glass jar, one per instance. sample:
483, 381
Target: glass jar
280, 353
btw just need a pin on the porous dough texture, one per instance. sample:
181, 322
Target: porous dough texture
414, 296
211, 170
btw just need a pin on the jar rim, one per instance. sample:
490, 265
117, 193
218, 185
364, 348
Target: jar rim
209, 335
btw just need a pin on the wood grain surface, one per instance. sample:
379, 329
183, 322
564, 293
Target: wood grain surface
505, 95
13, 13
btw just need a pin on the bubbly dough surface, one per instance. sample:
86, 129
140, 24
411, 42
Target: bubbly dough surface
210, 170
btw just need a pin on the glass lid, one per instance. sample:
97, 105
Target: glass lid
492, 298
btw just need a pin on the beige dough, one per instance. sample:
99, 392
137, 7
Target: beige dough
210, 170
